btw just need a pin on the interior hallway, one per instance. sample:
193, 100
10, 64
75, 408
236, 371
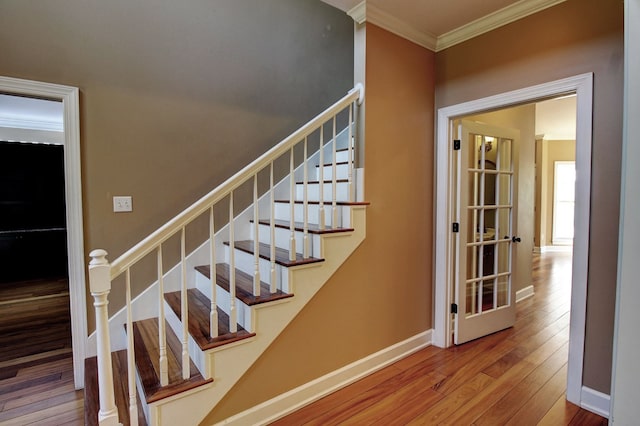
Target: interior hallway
513, 377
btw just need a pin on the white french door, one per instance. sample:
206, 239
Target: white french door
485, 237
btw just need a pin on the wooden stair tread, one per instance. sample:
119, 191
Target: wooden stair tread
244, 285
120, 387
327, 203
282, 255
299, 226
198, 322
338, 163
313, 182
145, 335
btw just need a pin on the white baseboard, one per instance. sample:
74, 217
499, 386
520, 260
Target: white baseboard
524, 293
553, 249
596, 402
297, 398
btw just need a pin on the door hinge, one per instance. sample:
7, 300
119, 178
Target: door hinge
456, 144
456, 227
454, 308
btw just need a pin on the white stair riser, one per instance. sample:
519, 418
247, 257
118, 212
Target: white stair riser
283, 212
342, 172
196, 355
313, 191
223, 300
283, 236
341, 156
246, 263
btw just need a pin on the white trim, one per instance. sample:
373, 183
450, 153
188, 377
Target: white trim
14, 134
359, 12
596, 402
297, 398
364, 12
73, 192
626, 373
565, 248
399, 27
524, 293
582, 85
494, 20
21, 123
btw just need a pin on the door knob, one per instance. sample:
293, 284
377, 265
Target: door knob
516, 239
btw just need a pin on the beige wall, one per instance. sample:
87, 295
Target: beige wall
382, 294
176, 99
521, 118
574, 37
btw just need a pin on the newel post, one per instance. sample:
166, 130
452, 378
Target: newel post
100, 285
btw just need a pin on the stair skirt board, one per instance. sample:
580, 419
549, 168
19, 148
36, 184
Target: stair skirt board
269, 320
312, 391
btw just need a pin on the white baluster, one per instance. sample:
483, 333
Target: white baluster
184, 310
292, 193
213, 315
162, 334
334, 179
272, 228
233, 315
131, 361
100, 286
350, 159
256, 239
305, 204
321, 218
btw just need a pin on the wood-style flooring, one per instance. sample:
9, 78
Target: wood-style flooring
514, 377
36, 366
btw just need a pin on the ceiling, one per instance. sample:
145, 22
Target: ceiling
438, 24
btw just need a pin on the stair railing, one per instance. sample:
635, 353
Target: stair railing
101, 273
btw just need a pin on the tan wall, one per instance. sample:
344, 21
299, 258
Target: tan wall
521, 118
176, 99
574, 37
382, 294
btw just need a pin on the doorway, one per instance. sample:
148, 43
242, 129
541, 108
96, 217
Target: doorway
582, 86
69, 96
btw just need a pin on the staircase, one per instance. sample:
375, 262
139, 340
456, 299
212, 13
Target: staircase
177, 348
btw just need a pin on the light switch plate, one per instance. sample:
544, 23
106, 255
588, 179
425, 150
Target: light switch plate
122, 204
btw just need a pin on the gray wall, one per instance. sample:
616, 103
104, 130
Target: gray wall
176, 96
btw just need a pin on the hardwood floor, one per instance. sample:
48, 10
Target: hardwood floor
36, 367
34, 318
513, 377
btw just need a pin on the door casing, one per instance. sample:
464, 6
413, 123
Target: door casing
582, 86
69, 96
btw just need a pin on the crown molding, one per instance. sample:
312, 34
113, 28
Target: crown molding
492, 21
21, 123
397, 26
359, 12
364, 12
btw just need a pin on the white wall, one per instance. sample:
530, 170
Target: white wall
626, 369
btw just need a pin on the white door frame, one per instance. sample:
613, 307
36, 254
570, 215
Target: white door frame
582, 85
69, 96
